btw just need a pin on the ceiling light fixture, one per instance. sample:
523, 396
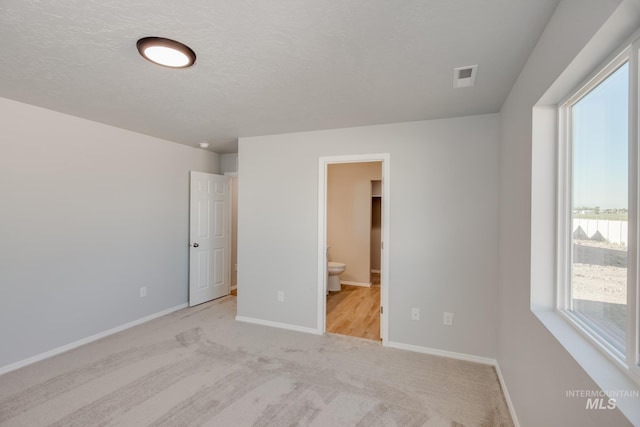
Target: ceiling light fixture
166, 52
204, 145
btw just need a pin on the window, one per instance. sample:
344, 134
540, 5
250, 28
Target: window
597, 221
599, 176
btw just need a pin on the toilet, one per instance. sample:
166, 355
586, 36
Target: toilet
335, 269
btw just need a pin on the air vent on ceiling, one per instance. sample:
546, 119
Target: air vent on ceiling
464, 76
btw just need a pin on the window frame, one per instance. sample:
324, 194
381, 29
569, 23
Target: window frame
629, 361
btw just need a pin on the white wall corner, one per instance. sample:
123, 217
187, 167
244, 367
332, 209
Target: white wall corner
467, 358
442, 353
228, 163
279, 325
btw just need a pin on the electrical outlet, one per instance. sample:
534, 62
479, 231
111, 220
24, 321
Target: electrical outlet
447, 319
143, 292
280, 296
415, 314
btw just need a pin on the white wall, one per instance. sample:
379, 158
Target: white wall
537, 369
228, 163
89, 214
442, 171
349, 217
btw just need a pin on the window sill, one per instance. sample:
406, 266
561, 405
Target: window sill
605, 372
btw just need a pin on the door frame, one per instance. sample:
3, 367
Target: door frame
230, 210
323, 164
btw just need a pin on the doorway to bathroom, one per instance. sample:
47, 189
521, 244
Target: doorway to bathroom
353, 245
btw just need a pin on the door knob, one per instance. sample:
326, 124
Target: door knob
195, 245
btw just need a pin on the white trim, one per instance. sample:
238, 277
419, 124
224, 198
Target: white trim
323, 163
375, 271
356, 158
628, 361
87, 340
227, 255
280, 325
467, 358
322, 248
232, 268
587, 332
442, 353
563, 215
362, 284
633, 275
385, 248
505, 392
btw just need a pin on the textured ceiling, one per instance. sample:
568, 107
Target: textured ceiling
264, 67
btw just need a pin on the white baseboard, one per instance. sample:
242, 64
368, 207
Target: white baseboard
278, 325
363, 284
512, 410
87, 340
443, 353
467, 358
375, 271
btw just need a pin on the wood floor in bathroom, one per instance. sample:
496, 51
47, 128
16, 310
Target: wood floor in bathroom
355, 311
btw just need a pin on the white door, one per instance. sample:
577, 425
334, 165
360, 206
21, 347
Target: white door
209, 238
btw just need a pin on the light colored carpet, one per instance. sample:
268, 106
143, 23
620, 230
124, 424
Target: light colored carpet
199, 366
